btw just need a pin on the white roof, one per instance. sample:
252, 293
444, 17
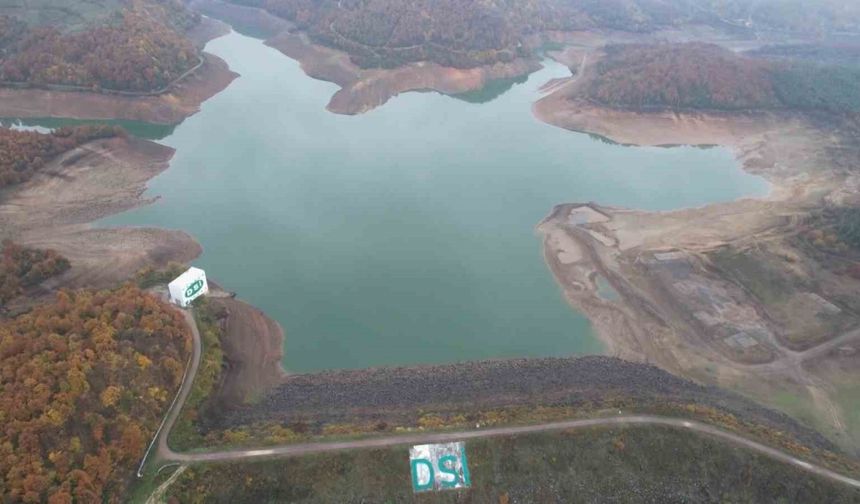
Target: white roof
190, 275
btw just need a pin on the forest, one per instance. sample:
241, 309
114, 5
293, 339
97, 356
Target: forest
140, 48
458, 33
694, 75
462, 33
705, 76
811, 86
22, 267
22, 153
86, 380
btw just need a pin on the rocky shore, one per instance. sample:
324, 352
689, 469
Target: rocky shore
589, 383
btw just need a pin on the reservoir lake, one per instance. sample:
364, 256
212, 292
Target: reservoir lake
405, 235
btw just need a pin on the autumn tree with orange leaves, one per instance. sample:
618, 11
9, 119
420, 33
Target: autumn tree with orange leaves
85, 381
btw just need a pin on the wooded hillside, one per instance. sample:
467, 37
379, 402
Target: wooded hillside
140, 47
458, 33
691, 75
706, 76
85, 381
465, 33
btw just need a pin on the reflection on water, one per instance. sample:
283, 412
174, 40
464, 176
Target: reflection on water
492, 90
140, 129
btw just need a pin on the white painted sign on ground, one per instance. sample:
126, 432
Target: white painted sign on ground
437, 467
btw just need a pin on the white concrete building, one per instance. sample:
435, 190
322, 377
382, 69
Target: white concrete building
188, 286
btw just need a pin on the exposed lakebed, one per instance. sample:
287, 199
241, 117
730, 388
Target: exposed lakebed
404, 235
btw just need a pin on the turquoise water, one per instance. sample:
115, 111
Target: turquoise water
404, 235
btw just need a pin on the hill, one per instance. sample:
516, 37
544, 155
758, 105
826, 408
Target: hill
458, 33
694, 75
85, 380
463, 34
124, 45
708, 77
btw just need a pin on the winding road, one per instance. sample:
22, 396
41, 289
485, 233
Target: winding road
166, 456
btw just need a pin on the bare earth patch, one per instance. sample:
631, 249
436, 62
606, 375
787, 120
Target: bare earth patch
692, 282
54, 209
253, 348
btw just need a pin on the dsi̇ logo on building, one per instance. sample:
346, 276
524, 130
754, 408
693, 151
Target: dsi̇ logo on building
193, 288
439, 467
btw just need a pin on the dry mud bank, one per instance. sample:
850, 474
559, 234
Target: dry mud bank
731, 294
361, 89
54, 209
253, 348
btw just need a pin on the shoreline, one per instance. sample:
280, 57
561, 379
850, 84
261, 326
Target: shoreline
171, 108
58, 209
182, 100
362, 89
632, 327
652, 320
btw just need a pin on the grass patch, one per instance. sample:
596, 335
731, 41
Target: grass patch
150, 277
748, 269
848, 396
796, 405
633, 464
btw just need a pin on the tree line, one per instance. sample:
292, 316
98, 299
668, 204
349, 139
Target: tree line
85, 381
22, 153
